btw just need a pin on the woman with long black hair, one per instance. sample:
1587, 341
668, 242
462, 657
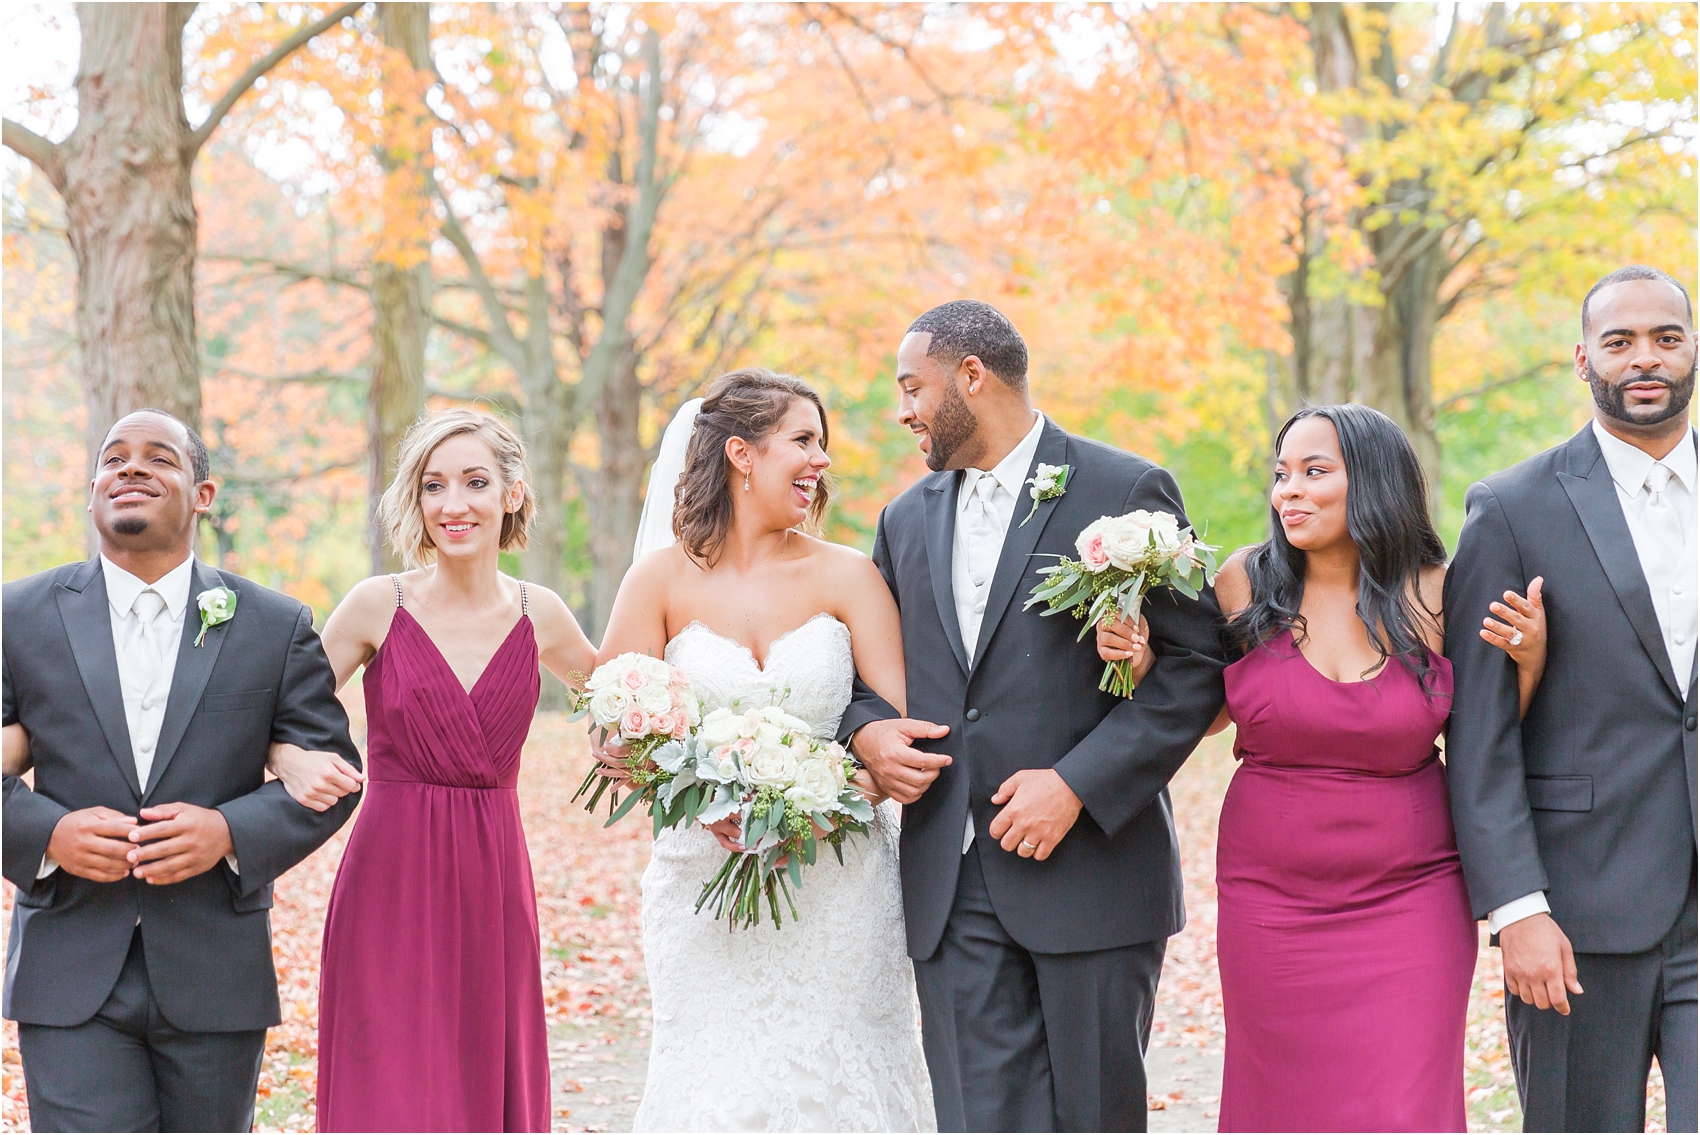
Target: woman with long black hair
1344, 934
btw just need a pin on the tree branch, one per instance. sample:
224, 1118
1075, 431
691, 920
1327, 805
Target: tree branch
45, 155
501, 335
317, 376
1495, 384
252, 75
297, 271
635, 260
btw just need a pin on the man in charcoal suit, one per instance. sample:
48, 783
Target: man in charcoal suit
139, 967
1041, 877
1577, 824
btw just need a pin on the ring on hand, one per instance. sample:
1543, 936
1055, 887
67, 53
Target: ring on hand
1517, 639
1030, 846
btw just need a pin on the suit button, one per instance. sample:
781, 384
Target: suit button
974, 715
1689, 724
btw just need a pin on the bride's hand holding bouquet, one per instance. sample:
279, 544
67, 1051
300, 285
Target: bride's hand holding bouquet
637, 704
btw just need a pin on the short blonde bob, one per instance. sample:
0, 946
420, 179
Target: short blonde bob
402, 511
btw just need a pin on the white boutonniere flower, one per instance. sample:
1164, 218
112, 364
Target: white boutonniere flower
217, 605
1048, 483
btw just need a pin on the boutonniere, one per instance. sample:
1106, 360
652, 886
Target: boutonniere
218, 605
1049, 482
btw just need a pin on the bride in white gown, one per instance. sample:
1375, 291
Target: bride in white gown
812, 1027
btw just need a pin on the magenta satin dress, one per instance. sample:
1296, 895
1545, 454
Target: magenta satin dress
1344, 932
431, 993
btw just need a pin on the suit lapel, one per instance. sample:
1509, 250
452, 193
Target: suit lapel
1594, 497
88, 624
189, 679
940, 504
1021, 539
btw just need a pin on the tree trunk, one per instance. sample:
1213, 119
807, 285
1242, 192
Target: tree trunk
124, 175
616, 499
401, 273
130, 216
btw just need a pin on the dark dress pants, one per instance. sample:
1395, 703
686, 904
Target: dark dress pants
127, 1069
1018, 1041
1588, 1071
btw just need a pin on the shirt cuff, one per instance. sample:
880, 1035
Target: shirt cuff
1517, 910
48, 866
230, 861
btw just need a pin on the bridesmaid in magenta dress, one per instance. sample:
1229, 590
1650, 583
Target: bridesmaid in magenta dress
431, 1000
1344, 933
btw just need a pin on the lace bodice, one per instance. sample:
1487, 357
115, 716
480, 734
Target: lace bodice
807, 674
813, 1027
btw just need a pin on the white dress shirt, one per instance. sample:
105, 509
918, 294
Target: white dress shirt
985, 506
1664, 538
147, 630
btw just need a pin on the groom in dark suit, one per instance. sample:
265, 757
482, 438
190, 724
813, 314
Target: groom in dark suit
1041, 878
1577, 824
139, 967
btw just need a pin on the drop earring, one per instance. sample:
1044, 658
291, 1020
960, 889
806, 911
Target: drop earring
746, 482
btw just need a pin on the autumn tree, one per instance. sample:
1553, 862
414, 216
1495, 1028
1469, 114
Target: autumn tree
124, 175
1515, 140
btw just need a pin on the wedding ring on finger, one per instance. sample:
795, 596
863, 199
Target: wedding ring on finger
1030, 846
1517, 638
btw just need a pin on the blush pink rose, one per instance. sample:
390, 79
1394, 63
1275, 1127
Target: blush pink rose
681, 723
633, 679
1093, 554
634, 722
662, 724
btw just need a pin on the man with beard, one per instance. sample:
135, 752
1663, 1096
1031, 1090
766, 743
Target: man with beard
1577, 824
1041, 878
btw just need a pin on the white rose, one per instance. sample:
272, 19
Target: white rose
655, 669
770, 765
655, 699
814, 789
720, 728
607, 706
750, 723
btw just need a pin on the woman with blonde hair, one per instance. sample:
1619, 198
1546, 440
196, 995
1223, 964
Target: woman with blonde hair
431, 998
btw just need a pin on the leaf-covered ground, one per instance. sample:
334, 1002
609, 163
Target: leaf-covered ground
589, 909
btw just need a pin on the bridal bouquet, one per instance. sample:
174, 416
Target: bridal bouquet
790, 792
1121, 558
645, 703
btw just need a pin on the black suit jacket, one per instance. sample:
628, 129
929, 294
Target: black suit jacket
1031, 700
260, 677
1592, 797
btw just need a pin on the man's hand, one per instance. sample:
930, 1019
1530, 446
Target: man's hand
92, 843
901, 771
178, 841
1539, 964
1039, 809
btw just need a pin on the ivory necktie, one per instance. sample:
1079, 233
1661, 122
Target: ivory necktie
1660, 518
147, 649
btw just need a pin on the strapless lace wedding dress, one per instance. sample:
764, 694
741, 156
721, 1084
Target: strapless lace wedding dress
813, 1027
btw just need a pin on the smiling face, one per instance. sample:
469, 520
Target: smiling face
932, 403
144, 496
1639, 355
1309, 494
784, 471
463, 499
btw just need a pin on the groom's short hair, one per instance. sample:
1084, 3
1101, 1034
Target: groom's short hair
969, 327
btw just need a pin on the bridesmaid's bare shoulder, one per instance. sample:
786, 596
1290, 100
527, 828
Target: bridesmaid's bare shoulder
1233, 585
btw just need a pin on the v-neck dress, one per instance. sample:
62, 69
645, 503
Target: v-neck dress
431, 995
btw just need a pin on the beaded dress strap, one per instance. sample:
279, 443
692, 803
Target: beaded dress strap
396, 581
524, 601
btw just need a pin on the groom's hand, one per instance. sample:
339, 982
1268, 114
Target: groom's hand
1039, 809
900, 770
178, 842
92, 843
